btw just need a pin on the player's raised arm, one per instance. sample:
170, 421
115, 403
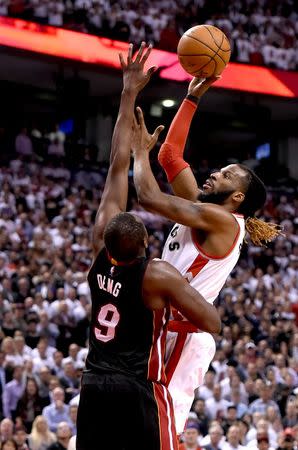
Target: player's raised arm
170, 156
162, 282
203, 216
114, 197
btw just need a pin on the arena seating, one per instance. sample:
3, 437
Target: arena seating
47, 208
261, 32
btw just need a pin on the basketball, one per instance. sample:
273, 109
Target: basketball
203, 51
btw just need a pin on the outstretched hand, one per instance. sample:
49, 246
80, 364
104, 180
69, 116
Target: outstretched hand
134, 77
142, 140
198, 86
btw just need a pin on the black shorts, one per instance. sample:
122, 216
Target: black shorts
117, 412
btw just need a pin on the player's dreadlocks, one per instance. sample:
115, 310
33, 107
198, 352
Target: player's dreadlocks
255, 196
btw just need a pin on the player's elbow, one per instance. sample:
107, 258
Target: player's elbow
215, 324
211, 322
145, 198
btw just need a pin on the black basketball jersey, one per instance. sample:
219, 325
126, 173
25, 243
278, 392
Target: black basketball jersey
125, 336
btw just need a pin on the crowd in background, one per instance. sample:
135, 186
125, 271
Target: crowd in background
262, 32
47, 209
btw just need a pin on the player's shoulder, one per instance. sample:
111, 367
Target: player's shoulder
216, 212
159, 270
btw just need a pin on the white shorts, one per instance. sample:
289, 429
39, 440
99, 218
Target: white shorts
186, 369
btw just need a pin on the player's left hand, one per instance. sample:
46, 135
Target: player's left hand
142, 140
134, 77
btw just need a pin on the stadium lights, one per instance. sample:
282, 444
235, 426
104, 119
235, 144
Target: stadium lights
168, 103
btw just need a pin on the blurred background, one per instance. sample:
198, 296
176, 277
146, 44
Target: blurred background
60, 84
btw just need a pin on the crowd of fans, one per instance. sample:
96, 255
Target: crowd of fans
250, 395
262, 32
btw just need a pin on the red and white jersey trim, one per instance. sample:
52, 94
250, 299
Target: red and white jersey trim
156, 369
206, 273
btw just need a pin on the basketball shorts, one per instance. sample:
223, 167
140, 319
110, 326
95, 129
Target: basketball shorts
118, 412
187, 360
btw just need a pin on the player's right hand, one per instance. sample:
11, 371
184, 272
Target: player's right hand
198, 86
134, 77
142, 140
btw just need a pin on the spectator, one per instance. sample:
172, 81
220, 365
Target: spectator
23, 143
43, 381
21, 439
57, 366
287, 440
56, 148
32, 335
30, 404
69, 380
40, 10
55, 17
199, 408
190, 435
63, 437
9, 444
233, 439
73, 412
241, 408
6, 429
216, 435
57, 411
216, 406
41, 437
230, 418
206, 390
262, 441
261, 404
42, 355
21, 349
46, 329
291, 417
13, 392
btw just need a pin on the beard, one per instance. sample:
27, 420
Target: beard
214, 197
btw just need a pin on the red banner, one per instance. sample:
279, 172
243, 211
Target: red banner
90, 49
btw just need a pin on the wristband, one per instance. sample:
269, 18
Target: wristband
193, 98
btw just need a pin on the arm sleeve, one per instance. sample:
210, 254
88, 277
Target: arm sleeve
170, 155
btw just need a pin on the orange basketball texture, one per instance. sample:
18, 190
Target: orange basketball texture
203, 51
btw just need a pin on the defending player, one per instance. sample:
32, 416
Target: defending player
124, 404
205, 243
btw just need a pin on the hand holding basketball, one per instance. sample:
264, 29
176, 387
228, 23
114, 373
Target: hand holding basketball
198, 86
204, 51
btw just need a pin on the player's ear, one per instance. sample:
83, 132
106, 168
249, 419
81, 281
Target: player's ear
238, 197
146, 243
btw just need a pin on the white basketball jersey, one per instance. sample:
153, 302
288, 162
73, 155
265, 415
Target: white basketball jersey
207, 274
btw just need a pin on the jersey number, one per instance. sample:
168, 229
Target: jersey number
108, 318
174, 245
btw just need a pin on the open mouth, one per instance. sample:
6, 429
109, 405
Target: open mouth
207, 185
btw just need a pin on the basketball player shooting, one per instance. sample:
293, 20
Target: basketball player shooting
205, 243
131, 298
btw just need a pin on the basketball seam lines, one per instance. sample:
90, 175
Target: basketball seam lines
205, 26
211, 59
219, 48
210, 48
